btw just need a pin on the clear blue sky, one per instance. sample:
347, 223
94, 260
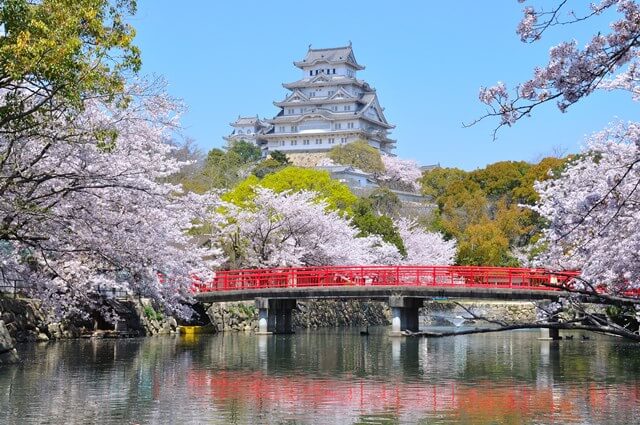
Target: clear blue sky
426, 59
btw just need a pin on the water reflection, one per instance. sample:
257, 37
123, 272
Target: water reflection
321, 377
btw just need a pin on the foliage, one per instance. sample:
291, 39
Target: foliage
80, 221
57, 53
369, 222
151, 314
484, 243
223, 170
246, 151
296, 229
280, 157
336, 194
385, 202
360, 155
483, 209
437, 181
265, 167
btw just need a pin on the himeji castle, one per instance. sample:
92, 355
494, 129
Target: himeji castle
327, 106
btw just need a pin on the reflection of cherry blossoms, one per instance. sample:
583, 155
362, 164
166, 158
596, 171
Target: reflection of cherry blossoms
594, 210
85, 213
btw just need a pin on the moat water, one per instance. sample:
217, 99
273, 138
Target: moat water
325, 376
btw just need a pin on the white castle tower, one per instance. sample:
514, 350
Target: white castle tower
329, 105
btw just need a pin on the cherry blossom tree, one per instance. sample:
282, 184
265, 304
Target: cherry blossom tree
296, 229
423, 247
610, 60
403, 172
593, 213
592, 208
85, 210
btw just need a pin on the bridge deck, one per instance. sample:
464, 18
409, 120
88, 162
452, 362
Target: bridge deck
379, 293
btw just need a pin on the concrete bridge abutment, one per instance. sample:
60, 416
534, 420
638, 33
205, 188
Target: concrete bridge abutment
275, 315
405, 314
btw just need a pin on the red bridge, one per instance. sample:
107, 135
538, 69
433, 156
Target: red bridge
276, 291
311, 282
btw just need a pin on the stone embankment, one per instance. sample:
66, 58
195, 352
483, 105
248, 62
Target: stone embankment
243, 316
444, 313
23, 320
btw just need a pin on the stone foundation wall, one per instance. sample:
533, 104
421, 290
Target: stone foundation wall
25, 321
436, 313
326, 313
243, 316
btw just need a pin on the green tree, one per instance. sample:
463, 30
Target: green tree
501, 178
369, 222
436, 182
385, 202
482, 244
56, 53
223, 170
483, 208
280, 157
277, 161
246, 151
337, 194
358, 154
267, 166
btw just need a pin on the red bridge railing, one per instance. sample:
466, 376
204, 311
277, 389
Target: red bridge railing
437, 276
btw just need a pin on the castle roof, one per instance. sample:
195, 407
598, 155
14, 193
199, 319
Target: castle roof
333, 55
245, 121
323, 80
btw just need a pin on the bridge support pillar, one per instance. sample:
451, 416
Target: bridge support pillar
405, 314
275, 315
550, 312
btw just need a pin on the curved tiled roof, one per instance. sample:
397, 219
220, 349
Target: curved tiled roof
329, 55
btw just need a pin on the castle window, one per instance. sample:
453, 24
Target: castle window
294, 128
305, 142
343, 140
281, 129
347, 107
334, 70
282, 143
338, 126
331, 140
318, 141
294, 142
310, 73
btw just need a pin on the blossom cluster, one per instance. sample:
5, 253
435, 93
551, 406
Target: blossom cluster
87, 213
593, 211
